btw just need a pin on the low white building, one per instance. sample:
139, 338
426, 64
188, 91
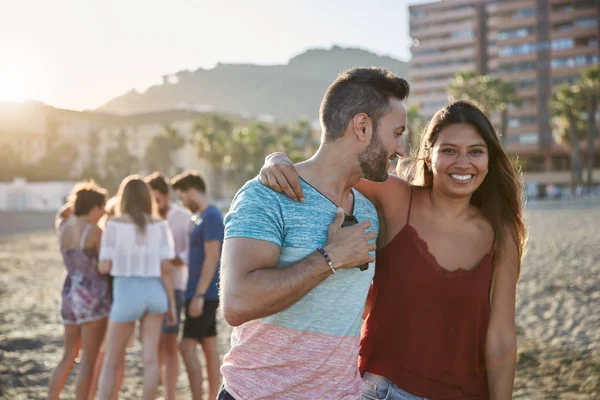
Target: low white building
20, 195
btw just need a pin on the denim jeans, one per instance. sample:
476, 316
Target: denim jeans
376, 387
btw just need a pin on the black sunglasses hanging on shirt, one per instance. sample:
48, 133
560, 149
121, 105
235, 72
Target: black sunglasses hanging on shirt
349, 220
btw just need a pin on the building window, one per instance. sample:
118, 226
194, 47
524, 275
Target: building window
563, 44
527, 84
529, 66
528, 138
515, 122
434, 104
562, 8
524, 13
577, 61
584, 23
514, 33
567, 26
467, 33
417, 13
524, 48
564, 79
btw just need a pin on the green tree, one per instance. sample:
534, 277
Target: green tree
416, 124
251, 144
470, 86
57, 163
213, 138
11, 164
90, 169
492, 95
590, 89
159, 152
119, 163
565, 105
304, 130
501, 96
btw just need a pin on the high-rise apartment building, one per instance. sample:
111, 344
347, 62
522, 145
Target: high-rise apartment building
535, 44
448, 38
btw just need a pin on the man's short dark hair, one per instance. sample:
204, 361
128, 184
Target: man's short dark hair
355, 91
158, 182
188, 180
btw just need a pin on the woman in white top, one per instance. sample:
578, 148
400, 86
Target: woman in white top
136, 249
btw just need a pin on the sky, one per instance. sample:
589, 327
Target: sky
79, 54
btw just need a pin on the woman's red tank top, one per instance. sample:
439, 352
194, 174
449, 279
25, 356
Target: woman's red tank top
427, 328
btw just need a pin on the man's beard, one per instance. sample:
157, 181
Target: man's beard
164, 211
193, 207
373, 161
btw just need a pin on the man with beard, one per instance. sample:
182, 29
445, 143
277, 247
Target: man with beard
289, 282
180, 223
202, 294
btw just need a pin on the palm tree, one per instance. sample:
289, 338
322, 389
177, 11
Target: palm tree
490, 94
564, 104
159, 153
502, 95
590, 87
11, 164
118, 162
213, 138
470, 86
416, 123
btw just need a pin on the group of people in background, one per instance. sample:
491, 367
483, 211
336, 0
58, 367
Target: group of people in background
341, 281
139, 257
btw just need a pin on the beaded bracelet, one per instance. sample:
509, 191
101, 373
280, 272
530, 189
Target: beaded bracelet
322, 250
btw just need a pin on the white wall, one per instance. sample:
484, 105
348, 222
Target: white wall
33, 196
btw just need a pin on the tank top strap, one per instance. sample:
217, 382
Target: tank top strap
84, 234
409, 204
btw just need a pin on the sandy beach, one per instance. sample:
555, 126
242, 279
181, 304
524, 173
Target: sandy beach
558, 309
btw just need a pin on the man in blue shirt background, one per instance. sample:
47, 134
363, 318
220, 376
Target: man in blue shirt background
202, 294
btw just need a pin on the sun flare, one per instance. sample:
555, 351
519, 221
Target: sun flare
17, 75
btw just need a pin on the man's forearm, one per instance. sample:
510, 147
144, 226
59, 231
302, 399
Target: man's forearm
264, 292
209, 268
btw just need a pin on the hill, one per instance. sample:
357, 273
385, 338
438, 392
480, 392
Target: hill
286, 92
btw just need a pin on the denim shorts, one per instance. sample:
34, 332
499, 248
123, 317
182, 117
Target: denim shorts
376, 387
134, 297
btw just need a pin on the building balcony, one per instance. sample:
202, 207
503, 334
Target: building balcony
518, 130
438, 71
445, 43
437, 16
496, 60
442, 56
575, 51
571, 15
502, 8
507, 22
574, 33
511, 41
442, 31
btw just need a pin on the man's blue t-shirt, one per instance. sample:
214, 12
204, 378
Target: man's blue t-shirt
209, 226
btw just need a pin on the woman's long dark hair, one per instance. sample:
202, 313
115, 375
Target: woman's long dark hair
500, 196
136, 200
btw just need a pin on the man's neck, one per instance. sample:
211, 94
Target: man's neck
201, 204
332, 172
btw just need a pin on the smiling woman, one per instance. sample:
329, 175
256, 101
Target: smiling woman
17, 75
